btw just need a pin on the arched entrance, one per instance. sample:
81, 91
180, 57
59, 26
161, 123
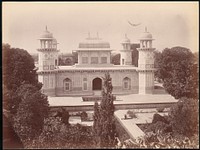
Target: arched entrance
97, 84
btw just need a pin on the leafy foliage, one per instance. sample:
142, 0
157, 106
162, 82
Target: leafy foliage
157, 117
131, 114
115, 59
178, 130
157, 140
84, 116
104, 125
56, 134
75, 58
159, 126
184, 116
31, 112
157, 57
177, 70
18, 69
10, 138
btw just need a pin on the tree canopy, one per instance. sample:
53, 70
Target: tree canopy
115, 59
184, 116
22, 96
178, 72
18, 68
31, 112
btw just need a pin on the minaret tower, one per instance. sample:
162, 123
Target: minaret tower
48, 62
146, 64
126, 57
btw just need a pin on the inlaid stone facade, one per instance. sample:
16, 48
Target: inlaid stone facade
94, 60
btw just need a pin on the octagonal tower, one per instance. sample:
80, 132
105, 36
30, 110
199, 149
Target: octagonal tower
126, 56
146, 64
48, 62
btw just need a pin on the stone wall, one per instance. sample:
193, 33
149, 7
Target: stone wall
78, 78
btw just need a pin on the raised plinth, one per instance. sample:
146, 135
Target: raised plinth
145, 49
46, 49
132, 101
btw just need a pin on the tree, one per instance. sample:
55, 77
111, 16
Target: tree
10, 138
65, 116
184, 117
196, 57
68, 61
75, 58
157, 55
32, 111
115, 59
105, 126
18, 69
178, 72
96, 123
57, 135
60, 61
157, 58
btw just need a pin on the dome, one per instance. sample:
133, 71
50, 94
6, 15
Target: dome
94, 43
146, 35
46, 35
126, 39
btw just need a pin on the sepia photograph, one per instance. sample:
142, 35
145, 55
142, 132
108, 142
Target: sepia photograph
88, 75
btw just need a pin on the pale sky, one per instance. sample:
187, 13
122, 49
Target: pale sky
171, 24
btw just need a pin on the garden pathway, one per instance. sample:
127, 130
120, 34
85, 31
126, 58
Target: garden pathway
130, 125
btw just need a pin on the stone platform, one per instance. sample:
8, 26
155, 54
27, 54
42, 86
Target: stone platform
121, 102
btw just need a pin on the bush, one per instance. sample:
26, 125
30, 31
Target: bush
56, 134
131, 114
159, 126
32, 110
184, 116
157, 117
84, 116
157, 140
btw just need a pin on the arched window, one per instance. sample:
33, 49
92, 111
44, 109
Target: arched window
85, 84
56, 62
67, 84
127, 83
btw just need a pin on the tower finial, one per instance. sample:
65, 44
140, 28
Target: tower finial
145, 29
46, 27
